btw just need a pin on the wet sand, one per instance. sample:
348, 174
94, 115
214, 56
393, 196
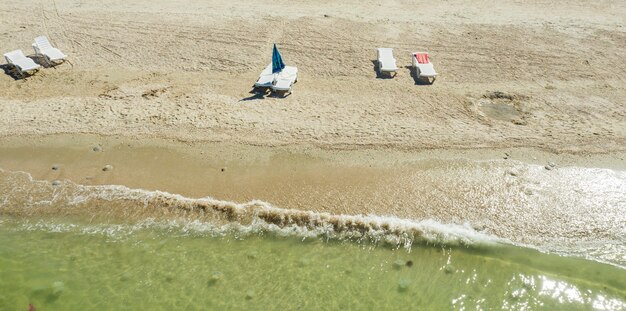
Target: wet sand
243, 173
575, 206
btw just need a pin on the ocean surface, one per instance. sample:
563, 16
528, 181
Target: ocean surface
59, 265
66, 246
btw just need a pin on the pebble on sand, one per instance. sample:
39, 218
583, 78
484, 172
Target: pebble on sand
215, 277
448, 269
125, 277
399, 264
107, 167
249, 294
550, 166
403, 285
303, 262
58, 288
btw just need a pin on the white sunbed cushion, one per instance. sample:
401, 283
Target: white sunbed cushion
388, 65
385, 53
426, 70
386, 60
283, 85
53, 54
265, 81
266, 78
43, 43
43, 46
424, 66
267, 70
18, 58
289, 71
286, 78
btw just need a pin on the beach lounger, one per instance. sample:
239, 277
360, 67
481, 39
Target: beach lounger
52, 55
266, 78
285, 80
22, 64
386, 61
423, 67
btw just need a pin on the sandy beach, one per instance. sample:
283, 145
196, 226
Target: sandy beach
545, 75
149, 175
515, 83
537, 83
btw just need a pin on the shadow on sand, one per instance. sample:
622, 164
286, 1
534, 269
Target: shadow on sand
10, 71
257, 93
416, 78
379, 74
13, 72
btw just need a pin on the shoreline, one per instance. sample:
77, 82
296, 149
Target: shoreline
523, 202
340, 153
148, 172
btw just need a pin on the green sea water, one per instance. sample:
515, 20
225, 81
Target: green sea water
69, 265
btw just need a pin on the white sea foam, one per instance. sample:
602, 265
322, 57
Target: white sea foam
217, 217
183, 215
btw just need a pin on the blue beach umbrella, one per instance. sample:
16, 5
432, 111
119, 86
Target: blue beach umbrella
277, 61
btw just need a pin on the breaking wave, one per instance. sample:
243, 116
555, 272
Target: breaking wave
23, 196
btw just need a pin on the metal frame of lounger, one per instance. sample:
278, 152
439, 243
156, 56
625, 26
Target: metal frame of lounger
288, 73
285, 92
41, 44
22, 73
416, 66
266, 73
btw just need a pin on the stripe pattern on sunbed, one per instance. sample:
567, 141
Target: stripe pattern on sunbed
422, 58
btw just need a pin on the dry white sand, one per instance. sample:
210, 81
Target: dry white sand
184, 69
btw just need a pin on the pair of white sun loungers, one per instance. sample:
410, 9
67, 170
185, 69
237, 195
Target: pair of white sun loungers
420, 61
25, 65
278, 82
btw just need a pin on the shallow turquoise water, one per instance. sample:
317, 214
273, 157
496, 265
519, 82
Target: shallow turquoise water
90, 267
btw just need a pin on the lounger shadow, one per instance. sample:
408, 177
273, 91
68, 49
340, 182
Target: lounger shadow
280, 94
19, 65
379, 74
257, 93
416, 78
40, 60
10, 71
51, 55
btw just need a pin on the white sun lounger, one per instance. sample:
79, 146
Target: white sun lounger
22, 64
43, 47
285, 80
386, 61
423, 66
266, 78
